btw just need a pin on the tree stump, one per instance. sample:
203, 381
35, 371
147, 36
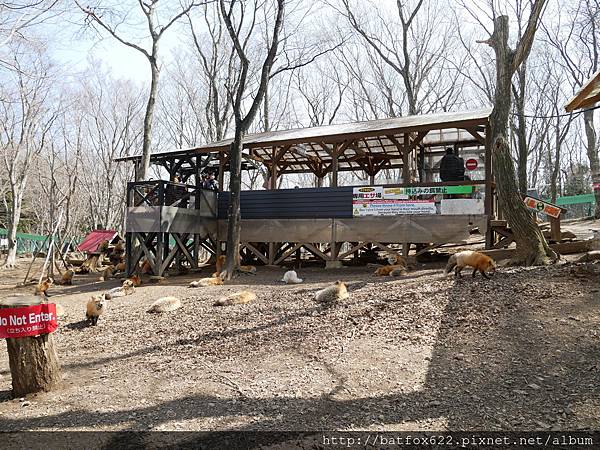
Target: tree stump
33, 360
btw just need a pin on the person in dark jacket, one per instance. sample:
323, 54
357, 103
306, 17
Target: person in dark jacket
452, 168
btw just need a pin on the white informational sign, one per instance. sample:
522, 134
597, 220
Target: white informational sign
3, 242
361, 208
459, 206
380, 201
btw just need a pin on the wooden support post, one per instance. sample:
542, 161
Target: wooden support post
555, 233
159, 254
334, 166
222, 161
271, 255
319, 181
33, 360
371, 180
273, 177
406, 159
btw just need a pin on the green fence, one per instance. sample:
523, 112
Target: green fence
26, 243
577, 205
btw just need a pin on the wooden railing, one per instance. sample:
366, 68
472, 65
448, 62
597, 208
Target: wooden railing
166, 193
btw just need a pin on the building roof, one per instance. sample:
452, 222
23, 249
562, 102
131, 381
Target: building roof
95, 238
588, 95
358, 143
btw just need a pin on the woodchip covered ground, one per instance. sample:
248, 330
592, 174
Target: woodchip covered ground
521, 351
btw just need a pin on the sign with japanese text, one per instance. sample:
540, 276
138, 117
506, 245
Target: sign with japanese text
392, 207
367, 193
28, 321
434, 190
543, 207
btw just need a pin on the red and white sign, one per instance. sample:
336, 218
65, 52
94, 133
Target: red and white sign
471, 164
540, 206
28, 321
596, 186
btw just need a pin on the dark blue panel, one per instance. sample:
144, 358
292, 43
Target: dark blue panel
292, 203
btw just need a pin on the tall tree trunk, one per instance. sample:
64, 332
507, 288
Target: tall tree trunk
233, 214
13, 225
147, 145
522, 151
592, 153
532, 248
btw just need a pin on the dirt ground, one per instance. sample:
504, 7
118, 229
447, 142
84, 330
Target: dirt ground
422, 352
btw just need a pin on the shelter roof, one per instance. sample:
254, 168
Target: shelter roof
358, 144
588, 95
95, 238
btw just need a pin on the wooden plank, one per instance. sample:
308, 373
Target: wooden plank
287, 253
311, 248
254, 250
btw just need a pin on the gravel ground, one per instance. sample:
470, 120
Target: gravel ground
422, 352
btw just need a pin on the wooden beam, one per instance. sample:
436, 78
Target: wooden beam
254, 250
473, 132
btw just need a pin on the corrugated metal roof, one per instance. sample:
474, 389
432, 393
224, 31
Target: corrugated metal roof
588, 95
95, 238
449, 124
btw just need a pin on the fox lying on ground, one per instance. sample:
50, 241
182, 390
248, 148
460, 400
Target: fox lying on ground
478, 261
135, 280
237, 298
330, 294
126, 289
165, 304
393, 270
203, 282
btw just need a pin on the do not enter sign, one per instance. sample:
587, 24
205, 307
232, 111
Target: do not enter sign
471, 164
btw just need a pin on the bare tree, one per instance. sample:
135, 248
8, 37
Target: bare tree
243, 121
532, 247
413, 44
578, 43
97, 15
25, 122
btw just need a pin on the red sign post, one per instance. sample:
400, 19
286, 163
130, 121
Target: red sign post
28, 321
471, 164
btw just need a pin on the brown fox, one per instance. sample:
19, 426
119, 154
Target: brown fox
393, 270
95, 307
42, 288
330, 294
203, 282
107, 273
237, 298
135, 280
478, 261
67, 278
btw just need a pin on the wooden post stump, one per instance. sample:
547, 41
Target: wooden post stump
33, 361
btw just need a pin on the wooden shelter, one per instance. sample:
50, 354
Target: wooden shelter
333, 222
588, 95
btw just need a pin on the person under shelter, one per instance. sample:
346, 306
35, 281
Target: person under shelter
452, 167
